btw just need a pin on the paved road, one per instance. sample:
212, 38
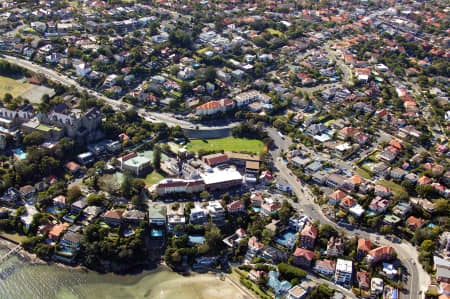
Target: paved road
344, 68
418, 279
116, 104
406, 252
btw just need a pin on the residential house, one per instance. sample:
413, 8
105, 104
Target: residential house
347, 202
335, 247
27, 192
56, 231
344, 271
60, 202
236, 207
78, 206
308, 236
296, 292
92, 212
376, 255
199, 215
134, 217
442, 268
325, 267
303, 258
269, 208
71, 240
113, 217
363, 280
379, 205
376, 287
402, 209
254, 247
363, 248
352, 182
274, 254
216, 212
383, 191
157, 214
414, 223
255, 275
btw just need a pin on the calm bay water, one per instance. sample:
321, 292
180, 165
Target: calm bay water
18, 279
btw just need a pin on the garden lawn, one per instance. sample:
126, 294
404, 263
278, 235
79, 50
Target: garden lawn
363, 173
153, 178
395, 187
12, 86
14, 236
229, 144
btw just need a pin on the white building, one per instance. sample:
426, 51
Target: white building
82, 69
376, 286
134, 163
343, 273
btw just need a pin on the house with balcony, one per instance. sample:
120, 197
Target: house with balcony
308, 236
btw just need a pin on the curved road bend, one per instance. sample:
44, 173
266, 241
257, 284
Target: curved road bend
418, 279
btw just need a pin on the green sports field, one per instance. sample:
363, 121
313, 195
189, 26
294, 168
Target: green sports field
229, 144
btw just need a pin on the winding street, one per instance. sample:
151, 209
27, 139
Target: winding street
418, 279
116, 104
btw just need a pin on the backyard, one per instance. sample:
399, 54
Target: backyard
395, 187
229, 144
12, 86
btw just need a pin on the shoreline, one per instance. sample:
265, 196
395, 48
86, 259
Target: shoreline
148, 269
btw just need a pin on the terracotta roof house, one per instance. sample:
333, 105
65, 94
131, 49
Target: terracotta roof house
336, 197
424, 181
72, 167
347, 202
415, 223
363, 248
326, 267
352, 182
56, 231
236, 207
303, 257
376, 255
308, 236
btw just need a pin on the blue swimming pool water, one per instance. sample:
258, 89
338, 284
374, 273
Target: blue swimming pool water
53, 210
256, 209
196, 239
157, 233
287, 238
20, 153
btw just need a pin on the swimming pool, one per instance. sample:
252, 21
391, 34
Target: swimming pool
196, 239
256, 209
287, 239
157, 233
20, 153
53, 210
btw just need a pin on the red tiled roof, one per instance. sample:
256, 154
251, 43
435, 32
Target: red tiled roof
310, 231
364, 244
308, 254
385, 250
